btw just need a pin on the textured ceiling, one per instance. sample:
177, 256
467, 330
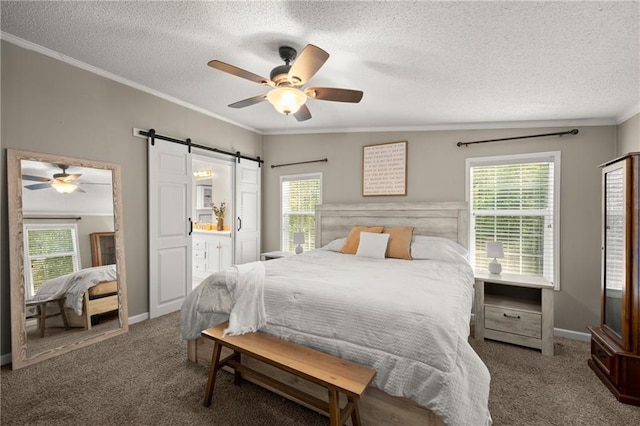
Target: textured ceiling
420, 64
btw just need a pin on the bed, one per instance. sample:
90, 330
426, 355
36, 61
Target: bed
427, 374
88, 292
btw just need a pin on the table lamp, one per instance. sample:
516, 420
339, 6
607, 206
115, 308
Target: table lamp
494, 249
298, 238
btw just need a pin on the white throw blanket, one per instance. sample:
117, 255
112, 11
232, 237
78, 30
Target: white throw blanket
75, 284
246, 285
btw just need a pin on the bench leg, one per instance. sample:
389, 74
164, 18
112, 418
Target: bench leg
237, 377
334, 407
355, 414
213, 369
43, 317
62, 313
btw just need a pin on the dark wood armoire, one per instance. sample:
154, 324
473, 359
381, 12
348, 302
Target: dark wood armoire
615, 344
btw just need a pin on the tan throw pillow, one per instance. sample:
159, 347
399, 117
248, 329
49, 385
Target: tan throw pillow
399, 242
353, 239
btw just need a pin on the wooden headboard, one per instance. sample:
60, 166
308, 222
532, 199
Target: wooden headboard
440, 219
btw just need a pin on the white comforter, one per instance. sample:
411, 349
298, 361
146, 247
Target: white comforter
409, 320
75, 284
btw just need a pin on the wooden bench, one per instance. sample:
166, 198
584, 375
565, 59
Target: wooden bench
41, 311
334, 374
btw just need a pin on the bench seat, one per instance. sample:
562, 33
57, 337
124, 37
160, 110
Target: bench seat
335, 374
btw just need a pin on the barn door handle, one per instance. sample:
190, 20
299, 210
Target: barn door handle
190, 226
239, 223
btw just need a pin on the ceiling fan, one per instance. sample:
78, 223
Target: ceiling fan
61, 182
287, 95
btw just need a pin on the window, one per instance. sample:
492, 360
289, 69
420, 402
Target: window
516, 200
299, 195
50, 251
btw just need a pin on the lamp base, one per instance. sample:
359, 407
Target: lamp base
495, 267
299, 249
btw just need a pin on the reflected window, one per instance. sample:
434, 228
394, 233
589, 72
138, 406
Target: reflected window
51, 250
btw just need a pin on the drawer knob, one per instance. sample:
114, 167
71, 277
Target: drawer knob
511, 316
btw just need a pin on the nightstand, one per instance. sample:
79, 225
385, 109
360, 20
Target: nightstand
515, 309
275, 255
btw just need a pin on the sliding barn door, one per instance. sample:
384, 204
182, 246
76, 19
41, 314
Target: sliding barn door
247, 235
169, 226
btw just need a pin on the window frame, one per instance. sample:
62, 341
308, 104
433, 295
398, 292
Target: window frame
295, 177
513, 159
28, 273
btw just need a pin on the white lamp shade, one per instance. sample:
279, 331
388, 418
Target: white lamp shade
494, 249
64, 187
286, 100
298, 238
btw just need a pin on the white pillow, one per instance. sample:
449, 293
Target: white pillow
372, 245
437, 248
335, 245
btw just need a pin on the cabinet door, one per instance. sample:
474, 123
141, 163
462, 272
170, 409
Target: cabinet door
220, 254
614, 240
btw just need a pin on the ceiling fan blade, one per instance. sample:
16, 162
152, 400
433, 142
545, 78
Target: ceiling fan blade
249, 101
303, 113
333, 94
308, 63
36, 178
79, 190
239, 72
38, 186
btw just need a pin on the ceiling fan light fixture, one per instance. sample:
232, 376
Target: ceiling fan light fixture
286, 100
64, 187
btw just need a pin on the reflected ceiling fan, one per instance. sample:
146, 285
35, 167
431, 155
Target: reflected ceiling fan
61, 182
287, 95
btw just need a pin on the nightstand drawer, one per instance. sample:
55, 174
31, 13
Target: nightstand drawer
513, 321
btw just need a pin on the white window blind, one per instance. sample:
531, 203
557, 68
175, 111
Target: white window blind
515, 200
50, 251
299, 195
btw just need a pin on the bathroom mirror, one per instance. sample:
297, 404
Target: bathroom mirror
68, 287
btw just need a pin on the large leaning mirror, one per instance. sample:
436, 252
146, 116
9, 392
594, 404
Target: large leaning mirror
68, 287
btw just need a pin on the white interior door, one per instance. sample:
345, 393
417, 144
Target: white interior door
247, 203
169, 226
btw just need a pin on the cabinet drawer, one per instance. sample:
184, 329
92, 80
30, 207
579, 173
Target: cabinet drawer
199, 244
199, 254
604, 359
513, 321
199, 266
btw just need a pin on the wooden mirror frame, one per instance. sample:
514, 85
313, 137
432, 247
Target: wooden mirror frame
19, 355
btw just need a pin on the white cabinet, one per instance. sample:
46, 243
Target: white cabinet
212, 252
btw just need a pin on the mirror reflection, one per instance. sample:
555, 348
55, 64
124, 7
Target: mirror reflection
70, 284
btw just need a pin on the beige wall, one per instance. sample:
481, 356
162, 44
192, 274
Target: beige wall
49, 106
436, 171
628, 137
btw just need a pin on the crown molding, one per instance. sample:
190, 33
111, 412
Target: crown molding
633, 110
111, 76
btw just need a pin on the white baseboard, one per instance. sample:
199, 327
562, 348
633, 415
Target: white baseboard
570, 334
138, 318
6, 358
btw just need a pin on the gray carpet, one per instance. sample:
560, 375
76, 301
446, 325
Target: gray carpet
143, 378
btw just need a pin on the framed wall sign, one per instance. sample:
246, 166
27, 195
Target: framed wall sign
384, 169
